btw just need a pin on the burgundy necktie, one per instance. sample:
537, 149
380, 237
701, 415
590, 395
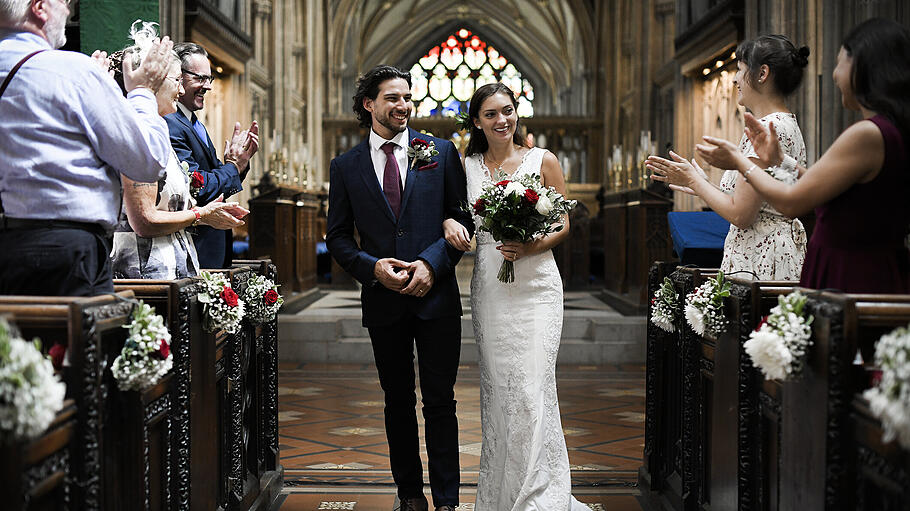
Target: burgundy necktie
391, 179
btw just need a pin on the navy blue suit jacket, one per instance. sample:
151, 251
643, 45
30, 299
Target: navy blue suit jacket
212, 245
430, 196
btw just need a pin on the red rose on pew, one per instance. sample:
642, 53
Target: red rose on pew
270, 296
198, 180
57, 352
164, 349
761, 323
229, 296
531, 196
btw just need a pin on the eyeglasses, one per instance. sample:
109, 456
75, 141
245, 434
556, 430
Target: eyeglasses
200, 78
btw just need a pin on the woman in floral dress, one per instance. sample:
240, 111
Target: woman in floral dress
761, 240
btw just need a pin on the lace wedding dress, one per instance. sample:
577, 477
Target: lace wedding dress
524, 464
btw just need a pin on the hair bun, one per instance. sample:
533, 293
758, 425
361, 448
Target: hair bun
801, 56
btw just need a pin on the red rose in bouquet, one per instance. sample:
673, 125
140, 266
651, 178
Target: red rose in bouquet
520, 210
270, 296
164, 349
57, 352
229, 296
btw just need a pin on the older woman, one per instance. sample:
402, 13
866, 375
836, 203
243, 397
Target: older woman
150, 241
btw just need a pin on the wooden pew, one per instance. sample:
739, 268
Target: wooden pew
261, 392
882, 470
34, 473
176, 302
120, 437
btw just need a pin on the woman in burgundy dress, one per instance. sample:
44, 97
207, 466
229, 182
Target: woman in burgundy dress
860, 188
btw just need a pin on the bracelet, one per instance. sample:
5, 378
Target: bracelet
746, 173
198, 217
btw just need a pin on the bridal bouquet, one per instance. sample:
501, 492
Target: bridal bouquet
663, 306
262, 299
30, 394
222, 309
705, 306
146, 355
890, 398
520, 210
779, 344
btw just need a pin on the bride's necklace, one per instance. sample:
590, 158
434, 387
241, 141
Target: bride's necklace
496, 169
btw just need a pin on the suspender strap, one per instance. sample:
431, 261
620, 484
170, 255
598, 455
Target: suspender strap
3, 89
16, 68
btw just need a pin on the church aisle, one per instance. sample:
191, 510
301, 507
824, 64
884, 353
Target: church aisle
335, 456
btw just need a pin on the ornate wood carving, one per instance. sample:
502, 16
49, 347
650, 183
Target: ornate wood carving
749, 413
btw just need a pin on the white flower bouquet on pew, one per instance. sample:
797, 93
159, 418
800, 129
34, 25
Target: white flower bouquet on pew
262, 299
663, 306
222, 309
146, 355
890, 398
30, 393
705, 306
778, 345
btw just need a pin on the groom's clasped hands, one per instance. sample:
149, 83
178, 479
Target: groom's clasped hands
414, 278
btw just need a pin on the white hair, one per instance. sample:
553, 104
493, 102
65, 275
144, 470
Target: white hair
14, 13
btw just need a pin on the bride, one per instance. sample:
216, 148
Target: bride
524, 464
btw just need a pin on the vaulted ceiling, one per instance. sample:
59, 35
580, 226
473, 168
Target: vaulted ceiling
550, 41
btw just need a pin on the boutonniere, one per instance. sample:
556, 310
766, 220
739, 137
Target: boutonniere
196, 179
422, 151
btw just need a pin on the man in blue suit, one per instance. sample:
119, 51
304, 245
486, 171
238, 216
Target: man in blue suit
409, 295
212, 180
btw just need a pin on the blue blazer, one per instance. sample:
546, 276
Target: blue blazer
430, 196
212, 245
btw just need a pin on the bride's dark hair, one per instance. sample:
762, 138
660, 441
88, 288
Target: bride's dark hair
478, 143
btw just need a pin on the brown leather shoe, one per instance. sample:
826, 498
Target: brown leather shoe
414, 504
445, 508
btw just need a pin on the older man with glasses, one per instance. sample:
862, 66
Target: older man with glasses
212, 179
68, 133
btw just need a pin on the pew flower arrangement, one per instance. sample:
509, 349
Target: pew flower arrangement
146, 355
705, 306
889, 399
779, 344
663, 306
30, 394
262, 299
222, 309
520, 210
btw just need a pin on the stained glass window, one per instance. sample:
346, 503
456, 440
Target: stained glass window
446, 77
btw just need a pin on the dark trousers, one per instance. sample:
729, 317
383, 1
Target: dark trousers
438, 350
55, 262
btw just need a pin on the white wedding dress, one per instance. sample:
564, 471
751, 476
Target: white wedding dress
524, 464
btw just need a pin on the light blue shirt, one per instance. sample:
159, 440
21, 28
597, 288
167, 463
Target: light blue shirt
67, 132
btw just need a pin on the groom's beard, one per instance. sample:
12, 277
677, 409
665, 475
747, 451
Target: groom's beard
387, 122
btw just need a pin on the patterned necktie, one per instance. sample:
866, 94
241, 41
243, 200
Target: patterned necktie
391, 179
199, 129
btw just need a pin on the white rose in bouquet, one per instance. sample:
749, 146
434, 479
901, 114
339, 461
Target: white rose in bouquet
544, 205
514, 187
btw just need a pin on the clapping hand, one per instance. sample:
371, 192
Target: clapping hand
721, 153
153, 70
764, 141
222, 215
679, 173
101, 58
242, 145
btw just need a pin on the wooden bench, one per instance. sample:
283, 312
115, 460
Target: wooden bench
121, 442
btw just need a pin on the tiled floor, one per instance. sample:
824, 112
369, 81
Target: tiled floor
334, 450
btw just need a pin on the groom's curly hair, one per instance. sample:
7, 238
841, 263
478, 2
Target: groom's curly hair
368, 87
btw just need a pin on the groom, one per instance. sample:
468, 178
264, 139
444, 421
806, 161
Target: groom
409, 293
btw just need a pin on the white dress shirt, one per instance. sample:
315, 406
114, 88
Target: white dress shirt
379, 158
68, 133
